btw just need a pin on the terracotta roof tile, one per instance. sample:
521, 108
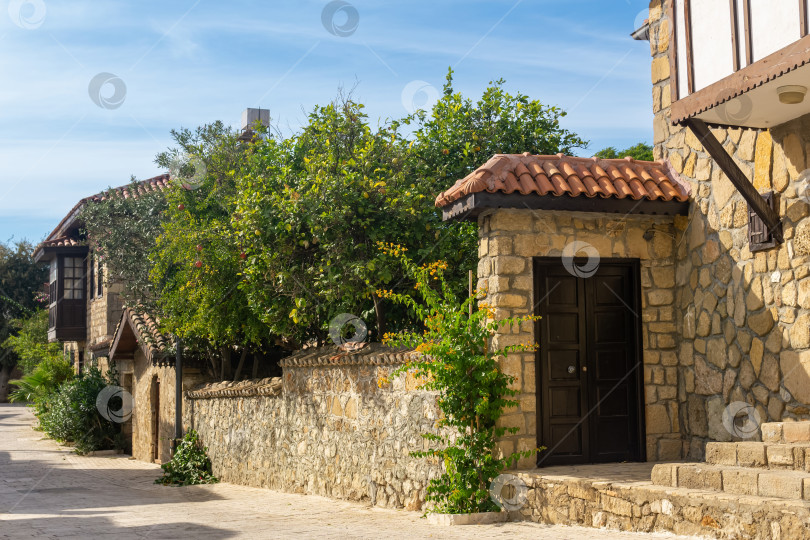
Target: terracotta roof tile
562, 175
60, 233
154, 343
62, 241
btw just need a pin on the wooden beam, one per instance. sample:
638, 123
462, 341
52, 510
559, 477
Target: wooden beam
749, 51
672, 15
735, 40
690, 66
737, 177
803, 17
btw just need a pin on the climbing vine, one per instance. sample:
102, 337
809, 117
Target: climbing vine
456, 360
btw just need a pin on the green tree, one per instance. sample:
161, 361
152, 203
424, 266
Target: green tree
641, 151
20, 279
197, 259
121, 232
311, 227
30, 342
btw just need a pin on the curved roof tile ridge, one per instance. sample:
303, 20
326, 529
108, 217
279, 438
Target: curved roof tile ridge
560, 175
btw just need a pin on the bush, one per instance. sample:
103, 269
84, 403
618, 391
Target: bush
189, 464
41, 385
72, 415
458, 362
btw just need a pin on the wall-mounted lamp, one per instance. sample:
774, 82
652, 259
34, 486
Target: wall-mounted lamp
792, 94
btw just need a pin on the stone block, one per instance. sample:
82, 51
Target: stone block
505, 265
741, 481
796, 367
786, 485
763, 162
660, 69
751, 454
506, 220
796, 432
780, 456
719, 453
509, 300
771, 432
664, 474
699, 477
761, 323
658, 420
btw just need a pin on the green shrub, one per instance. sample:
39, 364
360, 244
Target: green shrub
458, 363
189, 465
72, 414
41, 385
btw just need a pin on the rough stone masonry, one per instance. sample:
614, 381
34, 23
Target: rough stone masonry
332, 425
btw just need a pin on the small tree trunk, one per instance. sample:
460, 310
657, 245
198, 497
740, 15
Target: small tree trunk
213, 367
255, 366
379, 310
238, 372
226, 361
5, 376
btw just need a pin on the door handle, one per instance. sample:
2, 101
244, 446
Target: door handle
584, 368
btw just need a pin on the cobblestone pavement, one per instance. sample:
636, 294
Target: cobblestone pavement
48, 492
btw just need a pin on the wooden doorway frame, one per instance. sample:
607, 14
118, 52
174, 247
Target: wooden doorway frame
637, 375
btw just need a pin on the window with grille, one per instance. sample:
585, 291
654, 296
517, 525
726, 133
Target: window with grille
759, 237
73, 280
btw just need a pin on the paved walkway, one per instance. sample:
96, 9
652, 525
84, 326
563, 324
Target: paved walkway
48, 492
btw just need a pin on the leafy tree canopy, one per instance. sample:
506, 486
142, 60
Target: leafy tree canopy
20, 279
641, 151
264, 241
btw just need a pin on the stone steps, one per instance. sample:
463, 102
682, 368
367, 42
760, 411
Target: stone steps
760, 455
783, 484
786, 432
613, 496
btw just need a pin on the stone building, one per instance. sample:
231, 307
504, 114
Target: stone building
675, 292
87, 316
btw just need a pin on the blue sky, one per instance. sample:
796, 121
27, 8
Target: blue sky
186, 63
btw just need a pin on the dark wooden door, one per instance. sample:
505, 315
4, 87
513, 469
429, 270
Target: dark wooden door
589, 363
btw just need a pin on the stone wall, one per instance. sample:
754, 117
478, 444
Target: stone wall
743, 317
333, 427
103, 313
509, 239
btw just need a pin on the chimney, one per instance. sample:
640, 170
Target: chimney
249, 119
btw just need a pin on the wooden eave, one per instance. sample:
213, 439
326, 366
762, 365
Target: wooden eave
471, 206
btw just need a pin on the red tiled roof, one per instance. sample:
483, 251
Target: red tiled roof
562, 175
62, 241
158, 183
146, 330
